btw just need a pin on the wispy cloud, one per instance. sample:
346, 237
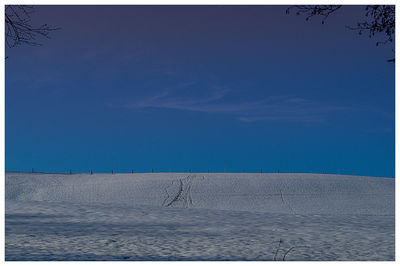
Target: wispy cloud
285, 107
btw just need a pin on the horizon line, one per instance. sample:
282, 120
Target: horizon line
187, 172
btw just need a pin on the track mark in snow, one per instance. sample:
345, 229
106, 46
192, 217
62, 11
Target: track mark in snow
286, 203
184, 194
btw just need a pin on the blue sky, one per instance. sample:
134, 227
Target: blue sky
200, 87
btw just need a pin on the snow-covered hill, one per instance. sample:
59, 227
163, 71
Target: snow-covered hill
163, 216
278, 193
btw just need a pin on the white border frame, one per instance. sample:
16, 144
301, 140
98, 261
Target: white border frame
181, 2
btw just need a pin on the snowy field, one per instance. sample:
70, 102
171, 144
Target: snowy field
172, 216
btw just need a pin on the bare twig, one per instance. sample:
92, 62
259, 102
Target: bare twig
318, 10
290, 249
278, 248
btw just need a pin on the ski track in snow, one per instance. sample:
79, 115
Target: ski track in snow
172, 216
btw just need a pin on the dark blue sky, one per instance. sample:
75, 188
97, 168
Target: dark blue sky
200, 87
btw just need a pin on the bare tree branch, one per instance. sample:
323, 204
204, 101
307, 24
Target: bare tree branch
19, 29
311, 11
379, 19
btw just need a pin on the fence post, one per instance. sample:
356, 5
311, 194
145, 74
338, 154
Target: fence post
91, 172
112, 171
132, 171
152, 170
70, 172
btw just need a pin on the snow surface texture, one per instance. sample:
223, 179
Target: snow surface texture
177, 216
